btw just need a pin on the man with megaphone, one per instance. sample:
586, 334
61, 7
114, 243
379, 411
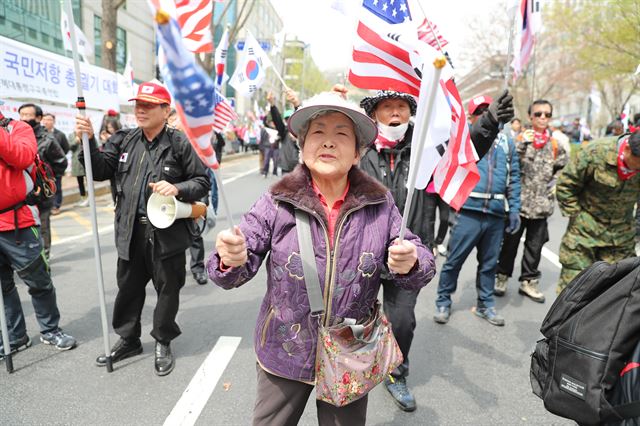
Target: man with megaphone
150, 159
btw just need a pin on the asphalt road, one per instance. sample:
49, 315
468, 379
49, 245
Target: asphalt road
465, 372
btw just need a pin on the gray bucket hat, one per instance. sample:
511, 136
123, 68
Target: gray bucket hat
366, 129
369, 103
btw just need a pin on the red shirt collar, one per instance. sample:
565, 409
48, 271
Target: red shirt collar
324, 200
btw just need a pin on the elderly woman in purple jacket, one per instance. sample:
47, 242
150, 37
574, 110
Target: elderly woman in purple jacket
354, 227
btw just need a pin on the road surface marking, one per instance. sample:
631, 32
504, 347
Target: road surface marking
81, 220
195, 396
549, 255
241, 175
103, 230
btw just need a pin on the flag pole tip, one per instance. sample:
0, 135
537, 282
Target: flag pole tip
162, 17
440, 62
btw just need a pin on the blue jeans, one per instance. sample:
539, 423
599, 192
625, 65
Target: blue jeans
214, 190
484, 232
27, 259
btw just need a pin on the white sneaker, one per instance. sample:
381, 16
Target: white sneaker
442, 250
83, 203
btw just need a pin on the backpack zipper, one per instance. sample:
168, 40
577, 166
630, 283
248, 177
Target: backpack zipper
581, 350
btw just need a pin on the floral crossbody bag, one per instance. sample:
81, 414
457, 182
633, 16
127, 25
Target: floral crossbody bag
351, 358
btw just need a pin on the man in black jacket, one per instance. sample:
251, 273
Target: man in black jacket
387, 160
49, 123
51, 153
149, 158
288, 157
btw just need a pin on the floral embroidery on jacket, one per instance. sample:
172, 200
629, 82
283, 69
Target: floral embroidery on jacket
367, 265
294, 266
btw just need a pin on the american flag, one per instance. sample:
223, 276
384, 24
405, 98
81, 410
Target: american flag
380, 59
192, 90
194, 18
428, 31
456, 174
528, 23
223, 113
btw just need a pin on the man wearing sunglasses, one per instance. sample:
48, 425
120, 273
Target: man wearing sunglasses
541, 161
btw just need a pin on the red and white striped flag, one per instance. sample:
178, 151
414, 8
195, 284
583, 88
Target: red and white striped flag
382, 56
194, 18
387, 52
528, 23
428, 31
456, 174
223, 114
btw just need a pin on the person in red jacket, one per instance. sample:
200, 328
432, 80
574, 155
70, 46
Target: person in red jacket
21, 248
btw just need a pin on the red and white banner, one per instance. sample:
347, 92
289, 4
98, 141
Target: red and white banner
528, 23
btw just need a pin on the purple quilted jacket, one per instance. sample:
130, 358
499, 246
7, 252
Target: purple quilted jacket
286, 335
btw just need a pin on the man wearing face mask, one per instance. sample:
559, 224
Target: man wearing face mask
387, 160
51, 153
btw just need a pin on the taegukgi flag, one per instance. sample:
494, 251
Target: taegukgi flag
251, 70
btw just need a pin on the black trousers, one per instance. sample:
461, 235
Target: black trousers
282, 401
168, 276
399, 307
197, 255
537, 235
433, 202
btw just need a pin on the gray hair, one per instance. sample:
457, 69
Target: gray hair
360, 140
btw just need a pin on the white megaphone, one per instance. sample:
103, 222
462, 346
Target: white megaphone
162, 211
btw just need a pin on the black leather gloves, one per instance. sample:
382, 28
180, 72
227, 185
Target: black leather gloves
501, 109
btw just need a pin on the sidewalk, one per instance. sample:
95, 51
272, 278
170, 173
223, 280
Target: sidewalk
71, 193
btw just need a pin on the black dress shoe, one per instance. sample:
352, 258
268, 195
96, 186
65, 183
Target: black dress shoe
201, 278
164, 361
123, 349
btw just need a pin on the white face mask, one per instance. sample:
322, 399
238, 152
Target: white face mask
393, 133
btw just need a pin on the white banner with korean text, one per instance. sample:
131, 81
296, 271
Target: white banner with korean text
27, 72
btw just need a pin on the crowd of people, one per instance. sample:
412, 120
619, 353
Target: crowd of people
345, 166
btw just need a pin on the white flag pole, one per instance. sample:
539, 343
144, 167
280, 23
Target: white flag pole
224, 199
80, 104
428, 93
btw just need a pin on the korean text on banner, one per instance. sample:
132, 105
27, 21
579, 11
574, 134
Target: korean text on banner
27, 72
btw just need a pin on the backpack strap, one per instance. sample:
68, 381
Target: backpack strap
309, 268
622, 411
554, 147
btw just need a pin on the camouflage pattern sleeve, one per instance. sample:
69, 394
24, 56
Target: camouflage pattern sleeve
571, 181
562, 158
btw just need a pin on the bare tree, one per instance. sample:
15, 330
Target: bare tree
109, 32
218, 22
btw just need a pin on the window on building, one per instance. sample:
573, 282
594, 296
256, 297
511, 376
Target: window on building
97, 37
121, 49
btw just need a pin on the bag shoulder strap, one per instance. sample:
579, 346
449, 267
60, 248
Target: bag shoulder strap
309, 268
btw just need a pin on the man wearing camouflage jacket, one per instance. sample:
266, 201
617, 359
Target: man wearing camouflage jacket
541, 161
598, 190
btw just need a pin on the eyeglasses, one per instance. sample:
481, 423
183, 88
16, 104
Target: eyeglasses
539, 114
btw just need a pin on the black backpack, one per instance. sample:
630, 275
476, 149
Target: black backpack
590, 332
289, 156
54, 156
